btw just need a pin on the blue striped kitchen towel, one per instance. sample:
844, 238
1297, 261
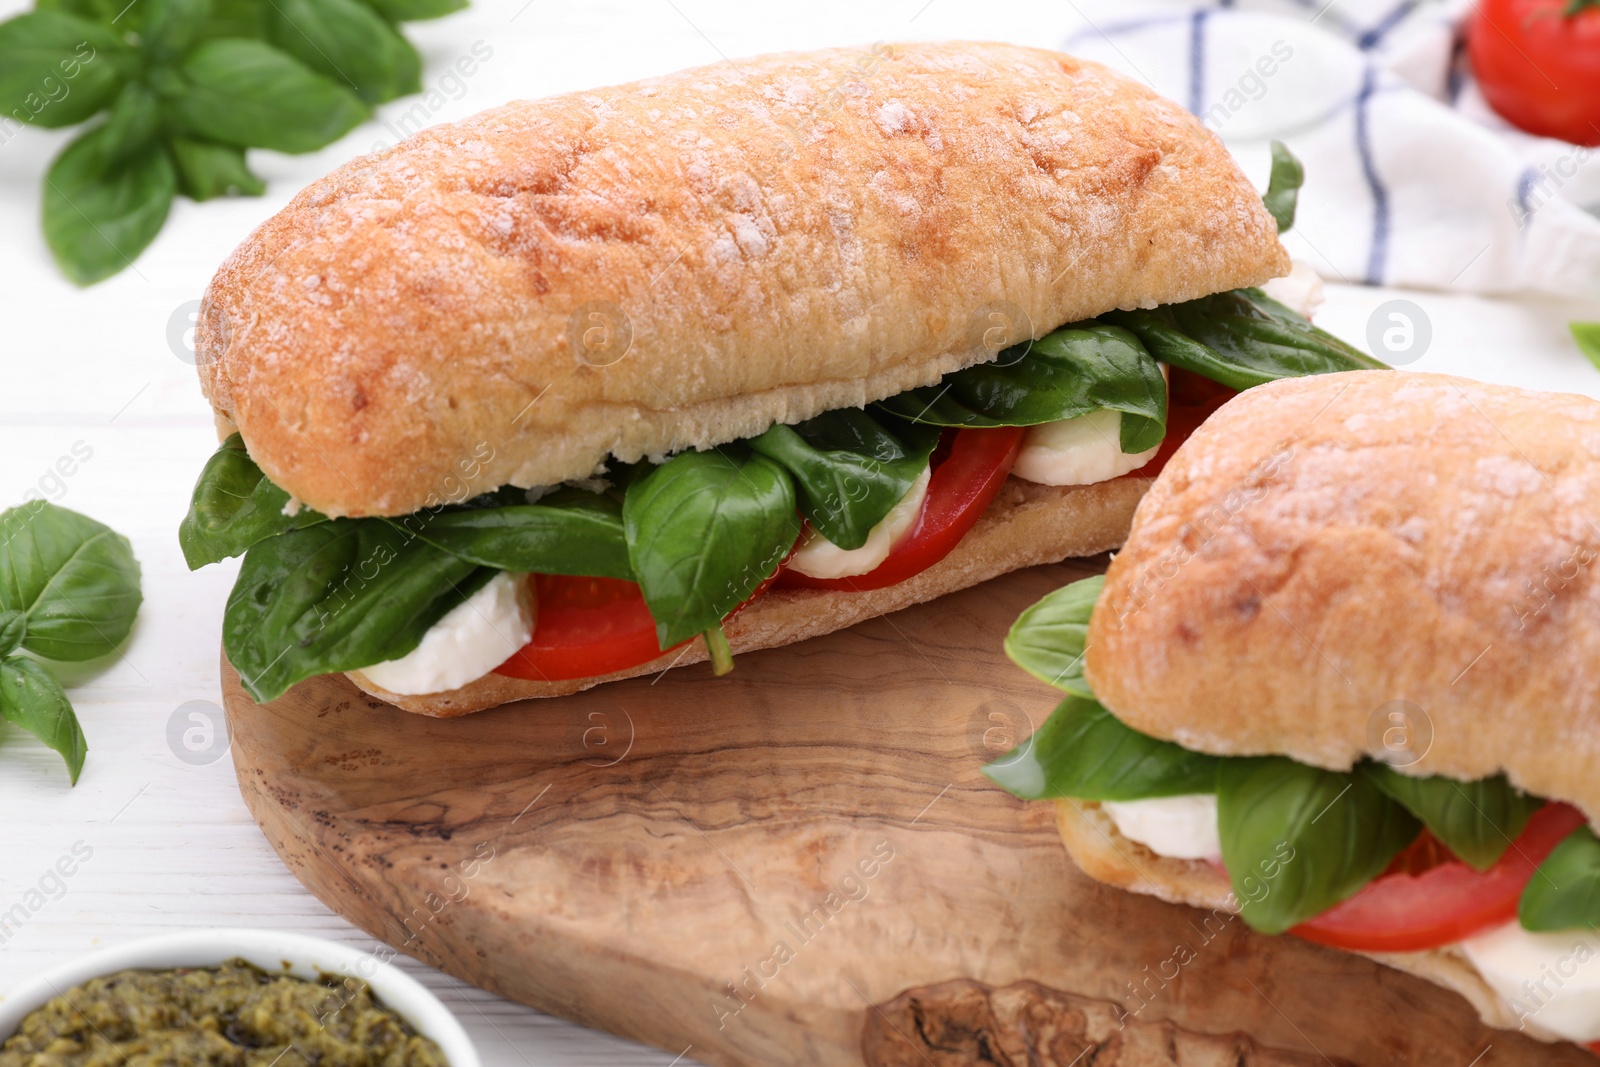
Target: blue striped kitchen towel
1411, 179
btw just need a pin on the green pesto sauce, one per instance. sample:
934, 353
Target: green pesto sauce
235, 1015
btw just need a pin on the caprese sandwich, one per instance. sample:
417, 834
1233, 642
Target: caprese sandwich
585, 387
1341, 682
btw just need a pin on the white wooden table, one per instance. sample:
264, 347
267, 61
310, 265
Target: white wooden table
103, 372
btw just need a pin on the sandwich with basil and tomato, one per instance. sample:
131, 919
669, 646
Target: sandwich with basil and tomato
1341, 681
585, 387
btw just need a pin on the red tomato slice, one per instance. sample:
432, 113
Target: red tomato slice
1415, 906
1191, 400
963, 485
1540, 66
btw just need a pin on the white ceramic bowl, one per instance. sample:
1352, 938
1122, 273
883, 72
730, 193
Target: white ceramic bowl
296, 954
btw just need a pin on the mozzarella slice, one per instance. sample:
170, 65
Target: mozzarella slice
1183, 827
1300, 289
1552, 981
819, 557
1080, 451
474, 638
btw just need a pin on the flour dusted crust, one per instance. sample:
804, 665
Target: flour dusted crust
1104, 854
1026, 525
763, 239
1325, 547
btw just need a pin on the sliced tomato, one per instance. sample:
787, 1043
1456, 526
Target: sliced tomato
1415, 906
1191, 400
964, 482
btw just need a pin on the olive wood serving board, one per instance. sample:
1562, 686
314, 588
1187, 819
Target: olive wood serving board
800, 863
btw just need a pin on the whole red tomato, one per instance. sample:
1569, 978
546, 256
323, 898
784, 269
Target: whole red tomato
1539, 64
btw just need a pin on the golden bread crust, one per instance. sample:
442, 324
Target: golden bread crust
763, 241
1327, 553
1026, 525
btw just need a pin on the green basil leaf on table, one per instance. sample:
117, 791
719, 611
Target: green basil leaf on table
1084, 752
347, 41
233, 506
169, 28
337, 596
13, 629
1475, 820
1070, 372
568, 532
1283, 187
32, 699
132, 124
704, 529
850, 469
410, 10
1565, 892
249, 94
1048, 639
74, 579
1587, 334
1297, 840
101, 11
1241, 338
207, 170
99, 214
57, 69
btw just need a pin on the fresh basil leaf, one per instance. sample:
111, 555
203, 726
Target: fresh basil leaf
1283, 187
1587, 334
234, 18
1565, 892
100, 213
102, 11
13, 628
169, 28
208, 170
74, 578
233, 506
409, 10
1070, 372
347, 41
337, 596
1297, 840
57, 69
1241, 338
33, 699
704, 529
568, 532
850, 469
1084, 752
1048, 640
1476, 820
249, 94
135, 117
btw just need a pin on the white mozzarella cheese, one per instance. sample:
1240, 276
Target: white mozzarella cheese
474, 638
1300, 289
819, 557
1080, 451
1552, 981
1183, 827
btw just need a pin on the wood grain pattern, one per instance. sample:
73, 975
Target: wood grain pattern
795, 864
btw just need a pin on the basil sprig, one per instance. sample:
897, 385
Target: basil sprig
1049, 639
1074, 371
1297, 840
233, 506
337, 596
1241, 338
69, 591
1475, 820
187, 85
1085, 752
850, 468
1283, 187
1565, 892
704, 529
